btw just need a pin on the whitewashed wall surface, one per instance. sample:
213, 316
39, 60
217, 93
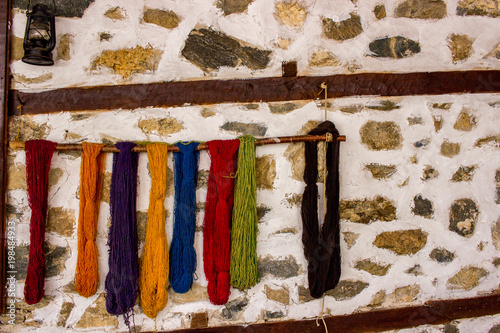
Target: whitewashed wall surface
420, 175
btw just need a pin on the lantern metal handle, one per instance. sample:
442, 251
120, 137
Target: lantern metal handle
53, 1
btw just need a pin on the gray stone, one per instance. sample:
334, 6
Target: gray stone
379, 12
347, 289
262, 210
463, 217
342, 30
29, 130
233, 6
278, 268
478, 8
380, 171
415, 270
383, 105
372, 267
202, 179
429, 173
467, 278
422, 143
402, 242
233, 307
367, 210
56, 257
384, 135
422, 207
64, 8
142, 221
421, 9
273, 314
464, 174
246, 129
210, 50
282, 108
394, 47
442, 255
355, 108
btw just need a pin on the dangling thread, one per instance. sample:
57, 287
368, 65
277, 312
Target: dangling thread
321, 248
182, 252
153, 278
217, 221
243, 270
91, 175
121, 281
38, 157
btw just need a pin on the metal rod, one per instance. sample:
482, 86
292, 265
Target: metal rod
202, 146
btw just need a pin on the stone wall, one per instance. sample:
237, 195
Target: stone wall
420, 176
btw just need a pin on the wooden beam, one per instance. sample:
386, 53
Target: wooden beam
431, 313
251, 90
5, 10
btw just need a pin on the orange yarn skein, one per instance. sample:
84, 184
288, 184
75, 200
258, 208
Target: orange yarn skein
91, 175
154, 269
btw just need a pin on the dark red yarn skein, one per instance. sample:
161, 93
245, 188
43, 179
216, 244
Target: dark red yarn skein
38, 157
321, 247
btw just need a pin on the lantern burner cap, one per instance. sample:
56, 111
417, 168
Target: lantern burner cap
38, 56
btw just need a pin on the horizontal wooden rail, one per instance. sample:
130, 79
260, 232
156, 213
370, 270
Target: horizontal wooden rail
201, 146
431, 313
271, 89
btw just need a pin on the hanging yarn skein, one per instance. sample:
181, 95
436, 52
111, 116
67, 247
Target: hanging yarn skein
217, 221
91, 175
121, 281
243, 270
321, 248
153, 278
38, 157
182, 252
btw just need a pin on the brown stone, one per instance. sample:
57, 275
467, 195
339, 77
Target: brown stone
367, 210
64, 47
495, 329
293, 199
97, 316
116, 13
372, 267
105, 36
450, 149
17, 177
295, 152
347, 289
16, 48
379, 12
244, 128
262, 210
464, 174
342, 30
66, 309
350, 238
415, 121
380, 171
429, 173
493, 140
438, 122
497, 181
61, 221
163, 18
442, 106
421, 9
495, 52
495, 234
291, 14
265, 172
460, 47
402, 242
404, 294
197, 293
463, 217
422, 207
199, 320
161, 126
467, 278
142, 219
496, 262
442, 255
383, 105
126, 62
280, 295
478, 8
20, 78
106, 187
207, 113
396, 47
304, 295
465, 121
381, 135
289, 230
323, 58
202, 179
233, 6
355, 108
415, 270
